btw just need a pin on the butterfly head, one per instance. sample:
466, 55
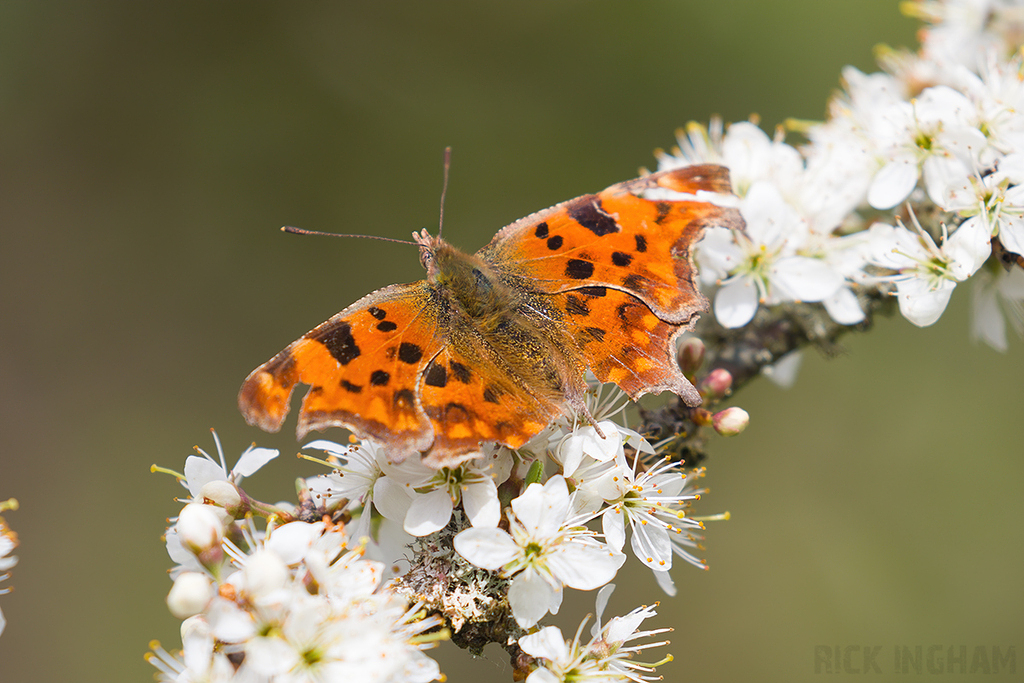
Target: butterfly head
435, 253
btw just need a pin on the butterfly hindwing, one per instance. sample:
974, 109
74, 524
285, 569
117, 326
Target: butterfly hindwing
625, 342
469, 400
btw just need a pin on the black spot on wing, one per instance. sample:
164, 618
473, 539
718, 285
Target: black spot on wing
641, 243
555, 242
578, 269
404, 399
541, 230
588, 213
379, 378
409, 353
436, 375
622, 311
632, 281
596, 332
460, 372
664, 208
351, 388
491, 394
619, 258
340, 343
593, 291
377, 313
386, 326
455, 412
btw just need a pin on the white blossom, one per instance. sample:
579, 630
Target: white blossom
544, 550
202, 469
607, 657
473, 483
928, 273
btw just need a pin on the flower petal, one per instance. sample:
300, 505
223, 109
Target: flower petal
893, 183
486, 547
547, 643
843, 307
531, 597
919, 303
736, 303
584, 566
253, 459
429, 512
798, 278
480, 501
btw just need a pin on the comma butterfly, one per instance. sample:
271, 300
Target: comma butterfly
495, 345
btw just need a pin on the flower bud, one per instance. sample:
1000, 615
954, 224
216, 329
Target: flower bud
224, 494
731, 421
691, 356
265, 573
200, 527
189, 595
717, 384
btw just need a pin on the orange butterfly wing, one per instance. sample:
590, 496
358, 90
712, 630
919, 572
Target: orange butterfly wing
469, 401
619, 265
363, 367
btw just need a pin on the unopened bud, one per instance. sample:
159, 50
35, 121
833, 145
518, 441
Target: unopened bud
223, 494
265, 573
691, 356
189, 595
731, 421
717, 384
200, 527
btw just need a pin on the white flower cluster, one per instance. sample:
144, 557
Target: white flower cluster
302, 600
8, 542
547, 545
938, 135
297, 602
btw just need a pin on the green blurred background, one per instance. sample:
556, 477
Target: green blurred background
149, 153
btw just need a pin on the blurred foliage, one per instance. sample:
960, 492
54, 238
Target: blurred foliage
150, 151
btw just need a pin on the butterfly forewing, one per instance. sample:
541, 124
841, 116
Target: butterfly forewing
619, 239
363, 367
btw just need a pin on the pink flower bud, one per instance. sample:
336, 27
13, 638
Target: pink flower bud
717, 384
731, 421
691, 356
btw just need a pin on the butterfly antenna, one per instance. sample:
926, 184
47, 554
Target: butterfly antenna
300, 231
444, 188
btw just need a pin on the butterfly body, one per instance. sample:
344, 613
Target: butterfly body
492, 346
